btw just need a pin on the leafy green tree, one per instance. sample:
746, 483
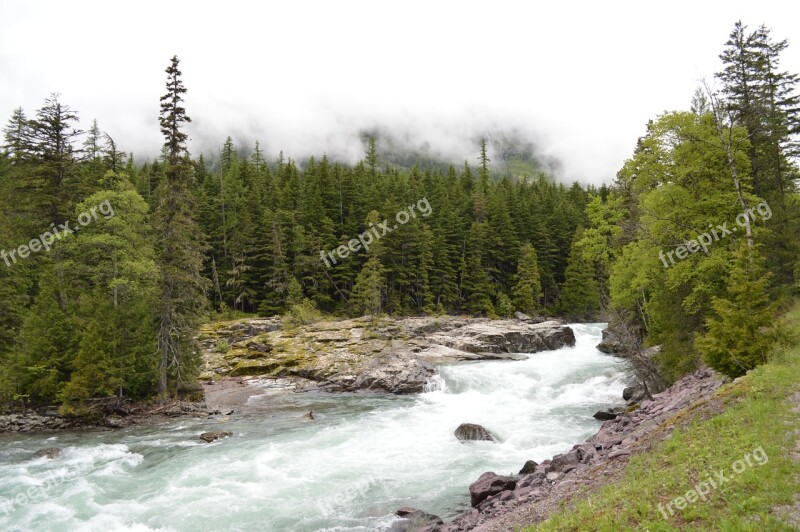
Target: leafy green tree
597, 242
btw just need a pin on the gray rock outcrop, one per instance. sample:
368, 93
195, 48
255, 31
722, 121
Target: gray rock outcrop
394, 355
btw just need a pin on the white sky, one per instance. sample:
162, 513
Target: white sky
581, 79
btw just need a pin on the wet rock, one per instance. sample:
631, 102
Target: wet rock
49, 453
489, 484
528, 468
603, 415
209, 437
415, 521
634, 394
611, 343
473, 432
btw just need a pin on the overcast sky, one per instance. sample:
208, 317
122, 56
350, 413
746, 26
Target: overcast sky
580, 79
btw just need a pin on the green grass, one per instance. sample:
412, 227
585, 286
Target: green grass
745, 415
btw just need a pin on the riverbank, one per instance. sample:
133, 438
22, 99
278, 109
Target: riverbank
703, 454
242, 358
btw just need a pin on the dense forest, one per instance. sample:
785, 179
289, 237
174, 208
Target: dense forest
109, 305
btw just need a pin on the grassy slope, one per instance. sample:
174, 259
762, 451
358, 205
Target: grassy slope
757, 413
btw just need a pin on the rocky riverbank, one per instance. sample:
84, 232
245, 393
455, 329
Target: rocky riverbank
507, 502
132, 415
393, 355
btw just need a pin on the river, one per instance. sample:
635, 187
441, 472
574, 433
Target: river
363, 456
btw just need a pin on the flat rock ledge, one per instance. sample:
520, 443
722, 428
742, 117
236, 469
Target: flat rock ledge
395, 355
504, 503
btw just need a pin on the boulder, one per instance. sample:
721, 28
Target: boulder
634, 394
562, 463
208, 437
488, 485
611, 343
604, 415
473, 432
415, 520
49, 453
529, 467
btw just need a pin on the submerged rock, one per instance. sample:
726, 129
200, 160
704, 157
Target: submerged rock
473, 432
49, 453
489, 484
208, 437
415, 521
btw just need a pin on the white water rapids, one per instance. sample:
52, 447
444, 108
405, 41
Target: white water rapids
362, 458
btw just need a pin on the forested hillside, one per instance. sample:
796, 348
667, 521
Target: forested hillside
109, 304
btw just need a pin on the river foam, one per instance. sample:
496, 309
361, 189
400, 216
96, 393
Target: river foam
362, 458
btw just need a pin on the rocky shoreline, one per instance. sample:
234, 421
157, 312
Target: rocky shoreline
507, 502
133, 415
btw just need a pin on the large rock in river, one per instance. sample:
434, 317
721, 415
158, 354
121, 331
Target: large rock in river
208, 437
473, 432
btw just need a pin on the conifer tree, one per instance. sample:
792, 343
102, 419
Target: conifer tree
180, 249
742, 331
370, 283
580, 297
528, 287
